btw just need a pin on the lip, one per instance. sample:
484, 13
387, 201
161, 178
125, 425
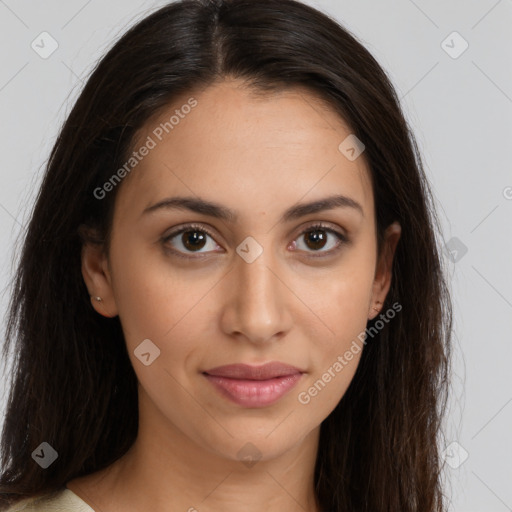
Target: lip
254, 386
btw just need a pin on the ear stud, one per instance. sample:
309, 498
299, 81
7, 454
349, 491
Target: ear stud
377, 309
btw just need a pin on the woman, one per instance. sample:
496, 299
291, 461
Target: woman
299, 360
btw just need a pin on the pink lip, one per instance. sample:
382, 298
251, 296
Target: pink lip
254, 386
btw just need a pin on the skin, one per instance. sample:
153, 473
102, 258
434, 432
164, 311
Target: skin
258, 155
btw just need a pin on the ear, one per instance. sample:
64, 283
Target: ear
383, 272
96, 274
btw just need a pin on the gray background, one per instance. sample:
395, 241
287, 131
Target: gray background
461, 111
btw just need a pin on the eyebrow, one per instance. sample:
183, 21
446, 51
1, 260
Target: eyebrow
218, 211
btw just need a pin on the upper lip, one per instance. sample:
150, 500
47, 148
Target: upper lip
245, 371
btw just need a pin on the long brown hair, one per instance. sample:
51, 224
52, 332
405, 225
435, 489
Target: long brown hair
72, 384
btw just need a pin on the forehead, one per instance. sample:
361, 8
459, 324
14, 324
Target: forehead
246, 150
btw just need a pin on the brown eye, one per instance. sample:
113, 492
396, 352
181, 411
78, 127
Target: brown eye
192, 240
317, 237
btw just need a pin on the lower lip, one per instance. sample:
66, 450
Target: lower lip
254, 393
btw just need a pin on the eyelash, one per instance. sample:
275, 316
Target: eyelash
342, 239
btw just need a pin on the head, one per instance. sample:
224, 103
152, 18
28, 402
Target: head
260, 108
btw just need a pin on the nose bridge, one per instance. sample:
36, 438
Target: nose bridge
257, 306
256, 279
255, 258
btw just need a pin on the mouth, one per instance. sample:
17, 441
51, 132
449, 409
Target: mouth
254, 386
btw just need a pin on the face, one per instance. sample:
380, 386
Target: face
265, 283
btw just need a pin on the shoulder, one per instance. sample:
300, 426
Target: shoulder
63, 500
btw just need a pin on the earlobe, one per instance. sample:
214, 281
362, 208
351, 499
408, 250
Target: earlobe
383, 274
97, 278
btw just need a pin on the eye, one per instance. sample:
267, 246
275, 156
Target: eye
194, 238
317, 236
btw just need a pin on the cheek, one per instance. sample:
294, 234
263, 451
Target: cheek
342, 305
149, 295
343, 299
157, 309
166, 304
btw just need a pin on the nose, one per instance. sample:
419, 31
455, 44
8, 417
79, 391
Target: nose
257, 301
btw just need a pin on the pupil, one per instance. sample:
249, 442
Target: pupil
316, 237
190, 242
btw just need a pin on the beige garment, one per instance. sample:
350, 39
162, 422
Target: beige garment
62, 501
